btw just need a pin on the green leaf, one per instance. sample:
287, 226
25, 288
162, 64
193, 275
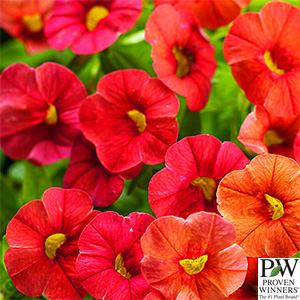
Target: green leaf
275, 271
190, 124
35, 183
297, 255
9, 201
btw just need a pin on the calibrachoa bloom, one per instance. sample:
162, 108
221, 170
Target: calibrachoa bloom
109, 263
43, 244
39, 112
86, 172
183, 58
263, 50
131, 120
210, 13
249, 289
194, 167
196, 258
264, 133
262, 202
90, 26
25, 20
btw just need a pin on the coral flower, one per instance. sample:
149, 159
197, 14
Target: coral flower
263, 50
109, 263
43, 244
263, 203
211, 14
85, 172
90, 26
183, 58
264, 133
183, 262
25, 20
249, 289
39, 112
194, 167
131, 120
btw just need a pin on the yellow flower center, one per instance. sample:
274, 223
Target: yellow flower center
51, 117
207, 185
272, 65
184, 62
276, 207
193, 266
139, 118
120, 268
33, 23
272, 137
94, 15
53, 242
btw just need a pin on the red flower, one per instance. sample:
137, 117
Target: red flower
43, 239
109, 263
130, 120
184, 262
249, 289
194, 167
25, 20
262, 202
210, 13
264, 133
90, 26
183, 58
39, 112
86, 172
263, 50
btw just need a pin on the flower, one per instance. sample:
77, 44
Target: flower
211, 14
184, 262
249, 289
25, 20
136, 115
262, 202
264, 133
109, 263
194, 167
263, 52
43, 244
90, 26
183, 58
39, 112
85, 172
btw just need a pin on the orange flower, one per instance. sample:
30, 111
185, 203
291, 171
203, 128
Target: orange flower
196, 258
263, 132
25, 20
263, 203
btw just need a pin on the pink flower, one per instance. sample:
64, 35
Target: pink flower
109, 263
90, 26
194, 167
39, 112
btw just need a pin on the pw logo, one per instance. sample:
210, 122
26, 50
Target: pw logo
272, 267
